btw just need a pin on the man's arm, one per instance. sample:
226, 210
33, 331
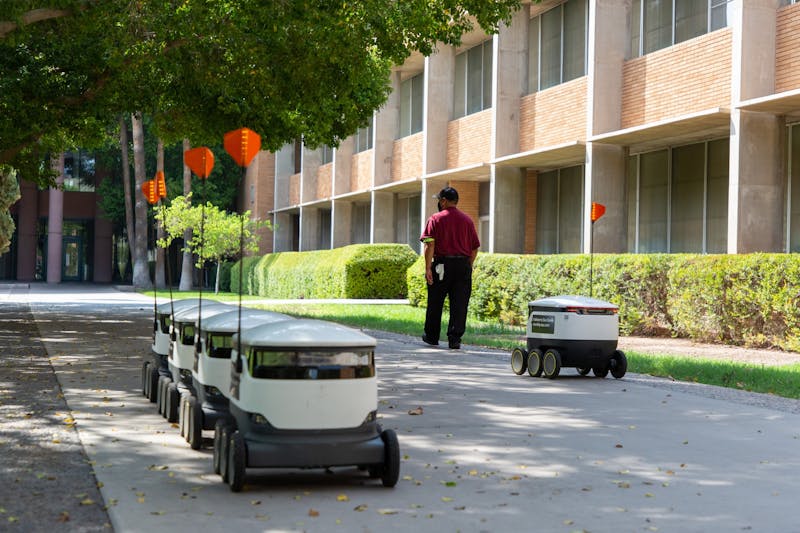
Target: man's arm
472, 256
429, 260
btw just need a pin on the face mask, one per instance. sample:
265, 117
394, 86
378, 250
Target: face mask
439, 205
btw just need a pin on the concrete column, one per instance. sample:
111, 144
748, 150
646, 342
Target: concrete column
27, 219
507, 219
383, 217
55, 223
756, 181
342, 221
312, 160
605, 178
385, 129
605, 165
509, 82
437, 108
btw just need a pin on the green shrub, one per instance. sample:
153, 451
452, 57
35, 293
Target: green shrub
356, 271
225, 276
740, 299
247, 266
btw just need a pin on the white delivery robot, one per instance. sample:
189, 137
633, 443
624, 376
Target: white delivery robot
211, 373
571, 331
183, 338
304, 394
162, 323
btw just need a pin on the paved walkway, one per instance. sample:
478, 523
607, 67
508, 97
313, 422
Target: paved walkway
491, 451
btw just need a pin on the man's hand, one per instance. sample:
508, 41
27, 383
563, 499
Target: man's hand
429, 275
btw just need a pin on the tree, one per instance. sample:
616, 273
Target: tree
9, 193
315, 69
224, 235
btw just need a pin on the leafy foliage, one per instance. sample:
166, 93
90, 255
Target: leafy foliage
314, 69
356, 271
9, 193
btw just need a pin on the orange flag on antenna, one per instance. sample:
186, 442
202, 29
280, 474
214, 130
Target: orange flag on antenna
598, 210
200, 160
242, 145
149, 190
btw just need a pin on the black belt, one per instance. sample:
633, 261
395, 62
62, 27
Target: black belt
452, 257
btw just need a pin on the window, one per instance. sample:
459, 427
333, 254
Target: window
408, 220
79, 171
411, 96
557, 45
473, 80
324, 229
359, 225
327, 154
657, 24
793, 222
678, 199
363, 138
559, 211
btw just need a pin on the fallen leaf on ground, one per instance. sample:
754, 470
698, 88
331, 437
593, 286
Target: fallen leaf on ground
342, 498
313, 512
415, 411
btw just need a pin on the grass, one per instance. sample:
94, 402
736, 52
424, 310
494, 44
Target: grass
778, 380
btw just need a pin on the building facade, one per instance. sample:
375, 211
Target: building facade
680, 116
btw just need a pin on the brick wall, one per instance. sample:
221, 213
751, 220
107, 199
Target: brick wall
361, 171
530, 211
554, 116
324, 173
294, 189
468, 198
468, 139
787, 49
689, 77
407, 158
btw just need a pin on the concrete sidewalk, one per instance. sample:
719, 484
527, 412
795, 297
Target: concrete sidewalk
491, 451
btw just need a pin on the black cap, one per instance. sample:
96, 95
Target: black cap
448, 193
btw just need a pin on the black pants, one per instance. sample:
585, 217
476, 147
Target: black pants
455, 284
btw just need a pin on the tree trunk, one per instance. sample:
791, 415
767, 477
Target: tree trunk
126, 183
160, 255
186, 266
141, 271
216, 283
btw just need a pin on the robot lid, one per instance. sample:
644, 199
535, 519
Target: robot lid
167, 308
572, 303
228, 322
305, 333
191, 314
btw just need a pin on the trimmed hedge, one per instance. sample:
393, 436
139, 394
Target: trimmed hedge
356, 271
737, 299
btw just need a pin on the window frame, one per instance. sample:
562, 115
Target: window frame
535, 47
462, 96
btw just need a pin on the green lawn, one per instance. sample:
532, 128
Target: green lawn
782, 380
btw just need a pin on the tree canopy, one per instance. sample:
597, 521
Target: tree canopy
288, 69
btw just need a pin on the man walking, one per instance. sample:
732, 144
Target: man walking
451, 245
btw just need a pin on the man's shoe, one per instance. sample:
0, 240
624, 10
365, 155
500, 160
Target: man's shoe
426, 340
454, 345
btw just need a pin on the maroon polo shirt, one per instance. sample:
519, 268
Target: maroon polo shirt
453, 233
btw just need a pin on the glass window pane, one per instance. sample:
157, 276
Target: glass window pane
547, 213
405, 108
688, 190
551, 49
533, 55
460, 96
794, 208
474, 79
691, 19
570, 209
719, 14
488, 48
632, 199
653, 202
417, 88
717, 210
636, 27
574, 39
657, 25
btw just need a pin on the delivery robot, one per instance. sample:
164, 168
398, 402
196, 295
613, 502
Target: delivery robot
207, 401
162, 323
304, 394
571, 331
183, 337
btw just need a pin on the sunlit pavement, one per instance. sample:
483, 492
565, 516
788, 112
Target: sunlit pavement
490, 451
